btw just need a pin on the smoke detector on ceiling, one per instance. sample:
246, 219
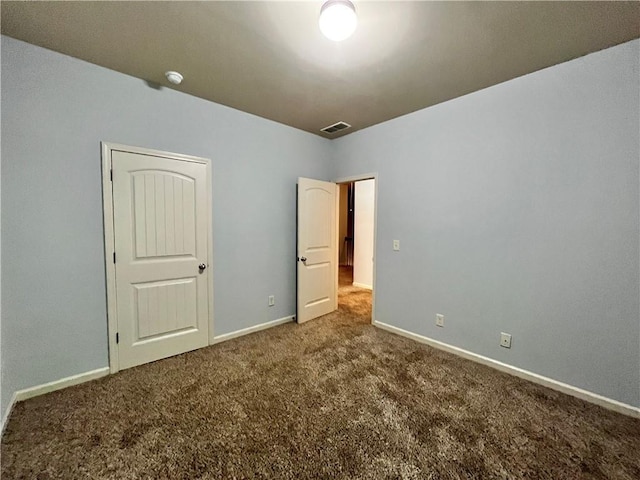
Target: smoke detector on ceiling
174, 77
336, 127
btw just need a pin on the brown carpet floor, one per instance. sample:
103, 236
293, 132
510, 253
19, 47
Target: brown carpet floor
334, 398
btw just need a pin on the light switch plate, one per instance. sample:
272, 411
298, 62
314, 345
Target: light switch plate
396, 245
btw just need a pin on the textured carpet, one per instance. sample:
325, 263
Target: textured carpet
334, 398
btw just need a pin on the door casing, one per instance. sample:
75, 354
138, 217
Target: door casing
109, 240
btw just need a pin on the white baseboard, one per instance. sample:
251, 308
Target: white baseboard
255, 328
60, 384
7, 414
519, 372
362, 285
30, 392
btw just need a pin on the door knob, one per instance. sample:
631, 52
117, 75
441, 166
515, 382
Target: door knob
202, 266
303, 259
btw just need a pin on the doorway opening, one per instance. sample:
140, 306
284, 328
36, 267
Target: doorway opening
356, 238
322, 246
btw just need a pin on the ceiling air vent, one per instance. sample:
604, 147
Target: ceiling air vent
336, 127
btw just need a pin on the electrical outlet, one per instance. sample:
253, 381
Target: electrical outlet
272, 300
505, 340
439, 320
396, 245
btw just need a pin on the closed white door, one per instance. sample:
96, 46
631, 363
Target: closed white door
317, 249
161, 219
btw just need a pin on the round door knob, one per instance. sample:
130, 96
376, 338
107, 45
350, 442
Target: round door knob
202, 266
303, 259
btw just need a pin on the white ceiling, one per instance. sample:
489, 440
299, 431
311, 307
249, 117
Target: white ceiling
270, 59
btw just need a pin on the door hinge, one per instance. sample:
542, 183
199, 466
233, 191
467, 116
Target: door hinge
111, 173
114, 257
117, 337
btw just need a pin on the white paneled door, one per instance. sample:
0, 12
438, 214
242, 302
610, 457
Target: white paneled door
161, 224
317, 249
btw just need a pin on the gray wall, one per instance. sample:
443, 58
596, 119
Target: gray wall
55, 112
517, 210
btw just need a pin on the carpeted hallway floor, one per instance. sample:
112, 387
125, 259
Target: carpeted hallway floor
334, 398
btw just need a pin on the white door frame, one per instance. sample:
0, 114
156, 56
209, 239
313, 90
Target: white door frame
109, 239
357, 178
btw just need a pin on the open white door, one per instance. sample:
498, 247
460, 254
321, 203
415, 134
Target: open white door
317, 249
161, 221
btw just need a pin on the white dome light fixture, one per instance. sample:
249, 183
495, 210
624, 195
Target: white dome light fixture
174, 77
338, 19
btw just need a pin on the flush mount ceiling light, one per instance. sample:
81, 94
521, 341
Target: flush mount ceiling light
174, 77
338, 19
